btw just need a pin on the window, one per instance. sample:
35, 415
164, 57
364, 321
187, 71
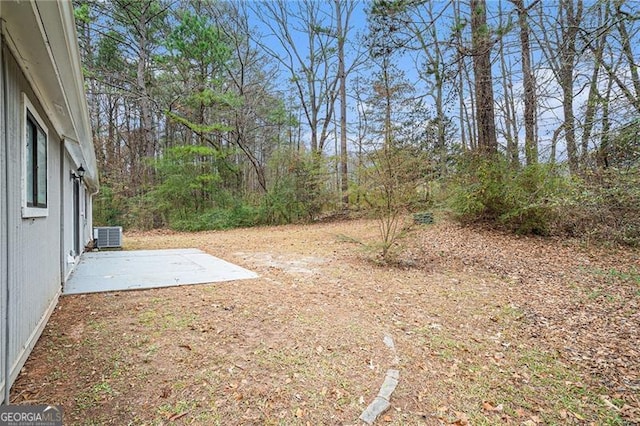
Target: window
35, 176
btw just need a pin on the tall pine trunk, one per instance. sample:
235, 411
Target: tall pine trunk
485, 115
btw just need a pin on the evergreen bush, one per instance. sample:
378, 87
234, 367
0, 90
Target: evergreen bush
520, 199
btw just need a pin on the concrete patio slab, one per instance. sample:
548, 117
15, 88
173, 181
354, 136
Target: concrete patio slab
144, 269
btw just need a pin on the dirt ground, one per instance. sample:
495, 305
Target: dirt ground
488, 328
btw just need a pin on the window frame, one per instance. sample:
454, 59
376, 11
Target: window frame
31, 206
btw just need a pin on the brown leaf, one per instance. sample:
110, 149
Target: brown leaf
461, 419
488, 407
165, 392
536, 419
177, 416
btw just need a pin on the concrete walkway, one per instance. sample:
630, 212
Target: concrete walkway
143, 269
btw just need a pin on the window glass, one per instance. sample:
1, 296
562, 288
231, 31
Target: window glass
35, 163
29, 165
42, 169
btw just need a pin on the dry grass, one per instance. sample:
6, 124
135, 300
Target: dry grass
476, 340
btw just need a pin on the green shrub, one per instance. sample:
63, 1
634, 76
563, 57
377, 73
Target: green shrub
107, 207
241, 215
280, 206
602, 206
530, 199
391, 179
142, 213
298, 189
521, 200
542, 199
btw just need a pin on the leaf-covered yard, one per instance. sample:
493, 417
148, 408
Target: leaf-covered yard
488, 328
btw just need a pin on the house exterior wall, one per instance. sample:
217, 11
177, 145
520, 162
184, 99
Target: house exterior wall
3, 232
40, 68
32, 265
87, 220
89, 226
69, 256
67, 212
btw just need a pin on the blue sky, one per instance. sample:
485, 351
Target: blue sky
550, 112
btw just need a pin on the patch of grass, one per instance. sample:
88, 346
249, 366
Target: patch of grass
167, 321
511, 313
179, 407
57, 375
118, 367
440, 342
447, 347
91, 344
179, 385
208, 417
98, 421
148, 317
151, 350
481, 420
600, 293
177, 321
342, 238
92, 397
632, 275
97, 325
286, 357
529, 382
140, 341
555, 385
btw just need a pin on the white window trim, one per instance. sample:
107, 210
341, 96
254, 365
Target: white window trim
32, 212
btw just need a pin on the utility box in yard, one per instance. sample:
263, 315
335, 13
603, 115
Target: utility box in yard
108, 236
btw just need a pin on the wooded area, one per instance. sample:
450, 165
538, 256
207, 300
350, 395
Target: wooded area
220, 114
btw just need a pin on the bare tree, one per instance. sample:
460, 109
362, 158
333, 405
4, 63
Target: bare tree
342, 29
510, 130
594, 97
530, 127
558, 44
628, 86
311, 65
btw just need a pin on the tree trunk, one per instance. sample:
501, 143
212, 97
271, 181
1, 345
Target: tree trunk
530, 142
567, 65
594, 94
481, 42
510, 120
344, 158
629, 54
603, 151
460, 85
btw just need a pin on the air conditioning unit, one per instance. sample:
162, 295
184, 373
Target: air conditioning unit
108, 236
